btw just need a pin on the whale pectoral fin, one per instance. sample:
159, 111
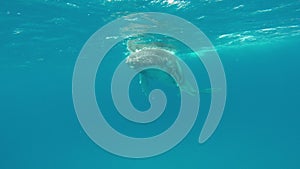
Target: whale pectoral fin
192, 90
189, 89
143, 81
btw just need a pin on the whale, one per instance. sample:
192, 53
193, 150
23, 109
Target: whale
161, 59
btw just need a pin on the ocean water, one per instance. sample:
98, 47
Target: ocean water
257, 42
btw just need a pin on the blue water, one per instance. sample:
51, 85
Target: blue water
257, 41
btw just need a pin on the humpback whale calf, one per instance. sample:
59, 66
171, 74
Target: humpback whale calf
157, 57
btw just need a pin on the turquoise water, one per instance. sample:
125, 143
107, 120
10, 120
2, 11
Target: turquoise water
257, 41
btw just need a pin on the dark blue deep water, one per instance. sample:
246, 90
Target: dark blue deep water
257, 41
